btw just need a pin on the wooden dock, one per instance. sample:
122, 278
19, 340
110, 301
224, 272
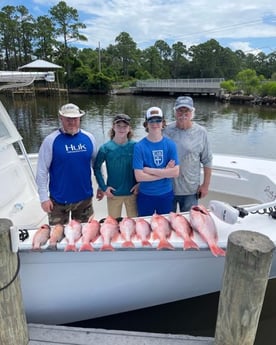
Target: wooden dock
62, 335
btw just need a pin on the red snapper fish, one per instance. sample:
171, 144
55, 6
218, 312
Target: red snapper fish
56, 235
161, 230
110, 232
72, 232
203, 223
90, 233
127, 228
143, 231
183, 229
41, 237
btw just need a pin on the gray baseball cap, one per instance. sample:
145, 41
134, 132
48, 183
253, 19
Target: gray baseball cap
184, 101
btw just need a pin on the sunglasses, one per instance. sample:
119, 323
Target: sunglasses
155, 120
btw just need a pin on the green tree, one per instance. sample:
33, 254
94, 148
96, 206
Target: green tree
268, 88
152, 62
16, 35
179, 61
164, 51
248, 81
206, 59
125, 50
26, 25
228, 85
45, 38
66, 23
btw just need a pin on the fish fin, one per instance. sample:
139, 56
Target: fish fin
107, 247
146, 243
189, 243
70, 248
86, 247
37, 249
216, 250
164, 244
128, 244
52, 247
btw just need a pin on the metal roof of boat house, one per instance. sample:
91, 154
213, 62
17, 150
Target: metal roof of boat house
40, 64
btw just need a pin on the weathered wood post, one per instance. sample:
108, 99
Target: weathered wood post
13, 325
247, 266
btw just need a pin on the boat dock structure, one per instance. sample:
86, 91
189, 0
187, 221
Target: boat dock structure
201, 86
61, 335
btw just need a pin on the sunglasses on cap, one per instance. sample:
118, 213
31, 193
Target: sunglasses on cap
155, 120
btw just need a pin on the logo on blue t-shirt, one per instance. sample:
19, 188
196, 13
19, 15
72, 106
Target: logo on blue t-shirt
75, 148
158, 157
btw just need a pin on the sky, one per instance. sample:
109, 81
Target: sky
247, 25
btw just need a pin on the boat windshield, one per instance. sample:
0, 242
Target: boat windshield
8, 132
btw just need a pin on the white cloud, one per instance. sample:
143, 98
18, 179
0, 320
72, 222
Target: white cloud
245, 47
191, 22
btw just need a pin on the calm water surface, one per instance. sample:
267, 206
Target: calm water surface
233, 129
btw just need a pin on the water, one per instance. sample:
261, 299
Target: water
233, 129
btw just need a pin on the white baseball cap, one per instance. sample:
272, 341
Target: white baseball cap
71, 110
154, 112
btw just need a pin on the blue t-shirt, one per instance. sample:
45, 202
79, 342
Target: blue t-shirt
155, 155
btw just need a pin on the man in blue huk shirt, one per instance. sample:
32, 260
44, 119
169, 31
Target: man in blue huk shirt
64, 169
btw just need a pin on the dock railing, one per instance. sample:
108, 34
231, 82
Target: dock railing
201, 85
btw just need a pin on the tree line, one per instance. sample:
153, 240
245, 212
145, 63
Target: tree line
53, 37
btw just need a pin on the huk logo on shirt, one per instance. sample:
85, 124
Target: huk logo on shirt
158, 157
73, 148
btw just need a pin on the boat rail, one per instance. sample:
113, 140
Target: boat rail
230, 172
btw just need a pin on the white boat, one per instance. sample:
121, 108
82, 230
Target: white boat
60, 287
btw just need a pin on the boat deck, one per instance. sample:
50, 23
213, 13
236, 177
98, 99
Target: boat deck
61, 335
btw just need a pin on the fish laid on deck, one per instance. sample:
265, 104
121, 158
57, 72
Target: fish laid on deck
127, 229
56, 235
90, 233
143, 232
183, 228
203, 223
72, 234
110, 232
41, 237
161, 230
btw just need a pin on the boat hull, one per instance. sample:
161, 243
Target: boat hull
108, 283
61, 287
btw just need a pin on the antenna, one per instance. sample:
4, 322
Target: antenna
230, 214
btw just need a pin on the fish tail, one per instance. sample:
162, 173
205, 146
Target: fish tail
146, 243
70, 248
52, 247
216, 250
86, 247
164, 244
128, 244
189, 243
107, 247
36, 249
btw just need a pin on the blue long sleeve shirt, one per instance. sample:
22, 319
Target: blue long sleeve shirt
65, 166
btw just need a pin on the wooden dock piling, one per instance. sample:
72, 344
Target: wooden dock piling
13, 325
247, 265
